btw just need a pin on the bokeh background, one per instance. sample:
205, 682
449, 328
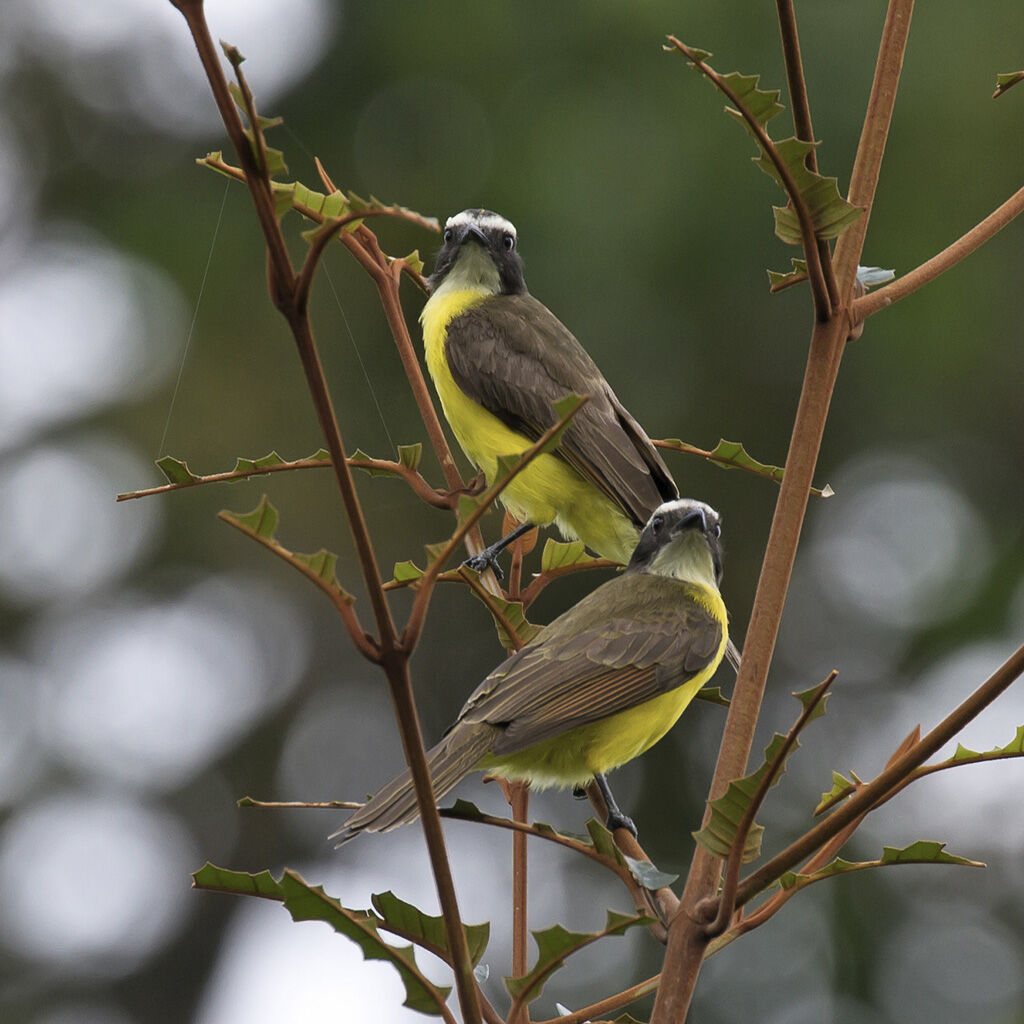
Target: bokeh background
155, 666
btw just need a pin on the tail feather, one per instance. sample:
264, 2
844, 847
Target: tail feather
394, 805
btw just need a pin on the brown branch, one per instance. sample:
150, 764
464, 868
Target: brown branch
802, 126
943, 261
414, 624
492, 606
620, 999
662, 902
888, 780
532, 590
687, 942
809, 241
518, 796
868, 162
727, 898
282, 283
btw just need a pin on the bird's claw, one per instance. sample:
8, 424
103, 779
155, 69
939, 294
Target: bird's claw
485, 560
616, 819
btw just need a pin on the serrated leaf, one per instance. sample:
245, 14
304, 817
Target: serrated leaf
1007, 81
216, 879
556, 943
762, 104
323, 564
406, 572
260, 522
713, 695
647, 874
243, 465
558, 555
428, 930
807, 698
1014, 748
310, 903
779, 280
360, 456
176, 471
512, 612
924, 851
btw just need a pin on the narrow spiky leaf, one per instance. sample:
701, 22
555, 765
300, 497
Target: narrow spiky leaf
1007, 81
427, 930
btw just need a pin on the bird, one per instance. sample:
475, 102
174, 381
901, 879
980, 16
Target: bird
597, 686
499, 359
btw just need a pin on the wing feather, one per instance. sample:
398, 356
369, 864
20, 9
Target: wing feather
514, 357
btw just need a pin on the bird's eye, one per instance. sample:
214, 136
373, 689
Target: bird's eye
657, 523
509, 242
716, 530
448, 234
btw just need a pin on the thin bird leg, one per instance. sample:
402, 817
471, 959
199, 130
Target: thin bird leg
616, 819
488, 558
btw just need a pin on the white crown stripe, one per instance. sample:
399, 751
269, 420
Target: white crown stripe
483, 219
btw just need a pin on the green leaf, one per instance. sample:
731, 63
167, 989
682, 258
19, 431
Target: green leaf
830, 213
311, 903
176, 471
241, 883
427, 930
323, 564
275, 158
556, 943
557, 555
406, 572
841, 789
513, 614
762, 104
1007, 81
413, 261
409, 455
260, 522
924, 851
253, 466
1014, 748
563, 407
779, 280
713, 695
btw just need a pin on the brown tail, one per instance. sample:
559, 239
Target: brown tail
454, 757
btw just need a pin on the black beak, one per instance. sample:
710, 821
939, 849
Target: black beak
473, 232
694, 518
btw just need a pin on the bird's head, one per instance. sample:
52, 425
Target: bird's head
682, 539
479, 252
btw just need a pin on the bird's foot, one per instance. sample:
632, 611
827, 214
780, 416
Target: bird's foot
616, 819
487, 559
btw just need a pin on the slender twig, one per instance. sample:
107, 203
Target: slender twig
620, 999
889, 779
518, 796
414, 625
815, 271
802, 126
492, 605
731, 875
532, 590
419, 485
943, 261
343, 602
687, 941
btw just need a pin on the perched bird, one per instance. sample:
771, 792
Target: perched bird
499, 359
596, 687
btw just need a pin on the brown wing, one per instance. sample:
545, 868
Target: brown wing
633, 638
512, 355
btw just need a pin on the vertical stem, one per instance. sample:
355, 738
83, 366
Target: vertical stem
519, 800
397, 668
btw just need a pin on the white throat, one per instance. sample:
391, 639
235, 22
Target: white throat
474, 270
686, 558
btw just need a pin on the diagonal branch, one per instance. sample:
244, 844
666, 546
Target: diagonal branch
414, 625
943, 261
727, 898
893, 776
815, 271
